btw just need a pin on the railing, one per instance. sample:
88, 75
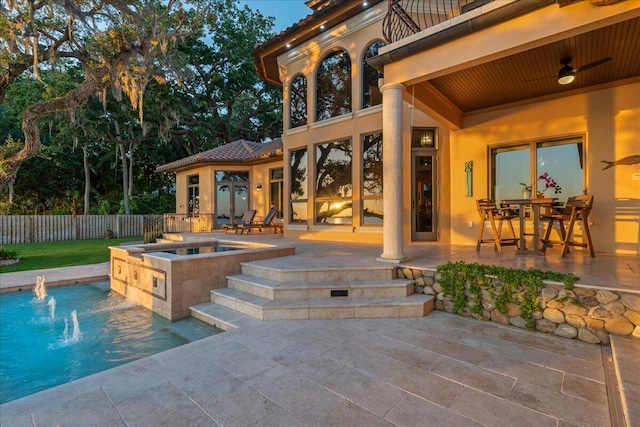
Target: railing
52, 228
178, 223
407, 17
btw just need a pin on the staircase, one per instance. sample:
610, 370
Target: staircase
267, 292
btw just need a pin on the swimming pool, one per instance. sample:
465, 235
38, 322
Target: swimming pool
38, 350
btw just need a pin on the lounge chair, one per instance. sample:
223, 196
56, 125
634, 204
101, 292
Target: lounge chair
247, 218
269, 222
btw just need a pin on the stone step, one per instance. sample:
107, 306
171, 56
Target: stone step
292, 274
415, 305
221, 317
625, 351
274, 290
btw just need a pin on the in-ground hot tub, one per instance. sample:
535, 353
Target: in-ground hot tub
168, 278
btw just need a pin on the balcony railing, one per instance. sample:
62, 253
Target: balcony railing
407, 17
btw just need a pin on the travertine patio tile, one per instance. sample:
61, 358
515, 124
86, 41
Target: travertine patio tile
474, 377
192, 377
300, 396
593, 371
415, 412
497, 412
492, 345
426, 385
523, 371
562, 406
350, 414
233, 403
584, 388
306, 362
366, 391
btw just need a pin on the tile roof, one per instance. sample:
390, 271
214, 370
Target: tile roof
240, 151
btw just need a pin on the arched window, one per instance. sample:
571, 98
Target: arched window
298, 102
333, 86
370, 92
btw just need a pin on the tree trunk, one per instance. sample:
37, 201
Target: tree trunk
32, 115
87, 179
125, 179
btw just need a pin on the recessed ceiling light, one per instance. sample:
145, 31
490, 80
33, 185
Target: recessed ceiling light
365, 4
322, 27
288, 45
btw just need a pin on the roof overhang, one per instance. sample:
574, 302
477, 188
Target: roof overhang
265, 56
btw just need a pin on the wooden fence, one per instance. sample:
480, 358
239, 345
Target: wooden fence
50, 228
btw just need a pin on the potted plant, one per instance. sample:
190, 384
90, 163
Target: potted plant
526, 190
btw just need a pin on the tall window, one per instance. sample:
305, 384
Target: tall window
334, 185
561, 160
372, 210
333, 86
299, 187
193, 195
298, 102
276, 177
370, 92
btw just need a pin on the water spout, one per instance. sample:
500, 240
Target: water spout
40, 290
52, 307
65, 334
76, 335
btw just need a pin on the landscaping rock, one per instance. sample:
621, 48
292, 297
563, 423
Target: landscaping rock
438, 305
420, 281
566, 294
588, 336
633, 316
418, 289
548, 294
513, 309
576, 321
589, 302
546, 326
428, 280
603, 335
555, 304
518, 322
498, 317
488, 305
428, 290
636, 332
448, 306
400, 274
605, 297
615, 308
553, 315
584, 292
619, 325
566, 331
570, 308
407, 273
437, 287
600, 313
594, 323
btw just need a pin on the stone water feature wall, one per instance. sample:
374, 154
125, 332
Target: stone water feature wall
582, 313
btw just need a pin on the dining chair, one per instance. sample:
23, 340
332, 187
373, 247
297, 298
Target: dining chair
576, 210
495, 216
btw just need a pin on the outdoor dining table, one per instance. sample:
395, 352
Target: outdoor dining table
535, 205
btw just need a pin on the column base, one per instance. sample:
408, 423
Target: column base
392, 258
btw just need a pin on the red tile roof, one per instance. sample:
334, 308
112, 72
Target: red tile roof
240, 151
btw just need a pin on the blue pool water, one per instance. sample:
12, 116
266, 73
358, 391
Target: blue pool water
34, 354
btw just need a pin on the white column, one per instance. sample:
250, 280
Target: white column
392, 171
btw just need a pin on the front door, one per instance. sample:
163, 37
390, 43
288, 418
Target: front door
232, 196
424, 198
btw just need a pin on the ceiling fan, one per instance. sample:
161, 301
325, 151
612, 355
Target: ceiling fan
567, 73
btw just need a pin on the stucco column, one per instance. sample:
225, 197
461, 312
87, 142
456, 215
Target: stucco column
392, 171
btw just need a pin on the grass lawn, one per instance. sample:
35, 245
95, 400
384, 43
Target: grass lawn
37, 256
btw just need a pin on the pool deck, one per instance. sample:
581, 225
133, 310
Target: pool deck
443, 369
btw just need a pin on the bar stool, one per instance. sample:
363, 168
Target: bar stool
577, 209
489, 212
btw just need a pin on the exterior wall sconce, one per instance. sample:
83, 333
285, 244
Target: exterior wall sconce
259, 188
424, 137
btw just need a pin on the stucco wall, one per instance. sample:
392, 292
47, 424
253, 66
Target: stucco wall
608, 119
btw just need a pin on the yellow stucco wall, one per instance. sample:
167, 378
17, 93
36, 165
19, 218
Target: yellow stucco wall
608, 119
258, 174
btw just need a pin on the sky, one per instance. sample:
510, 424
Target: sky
286, 12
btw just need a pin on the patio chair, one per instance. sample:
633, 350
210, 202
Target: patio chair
577, 209
269, 222
247, 218
495, 216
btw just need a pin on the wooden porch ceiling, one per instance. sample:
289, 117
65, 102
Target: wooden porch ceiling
533, 74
